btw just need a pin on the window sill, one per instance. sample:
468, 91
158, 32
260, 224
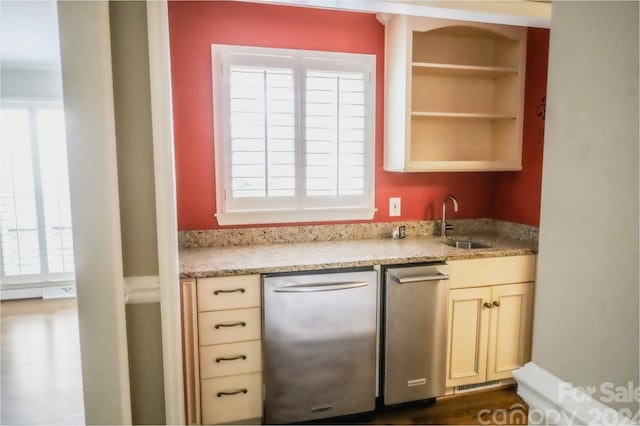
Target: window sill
293, 216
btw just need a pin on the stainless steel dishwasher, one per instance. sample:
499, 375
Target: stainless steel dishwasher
415, 325
319, 345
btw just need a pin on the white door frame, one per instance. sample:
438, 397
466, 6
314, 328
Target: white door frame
166, 210
88, 96
85, 52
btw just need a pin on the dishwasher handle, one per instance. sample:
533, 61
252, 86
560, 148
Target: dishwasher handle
308, 288
406, 280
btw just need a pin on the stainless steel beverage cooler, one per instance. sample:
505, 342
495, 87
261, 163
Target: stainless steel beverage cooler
415, 324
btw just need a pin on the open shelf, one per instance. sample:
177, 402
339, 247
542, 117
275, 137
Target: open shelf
467, 45
463, 115
454, 70
434, 139
470, 96
459, 166
455, 95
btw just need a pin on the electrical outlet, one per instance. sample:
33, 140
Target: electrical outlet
394, 206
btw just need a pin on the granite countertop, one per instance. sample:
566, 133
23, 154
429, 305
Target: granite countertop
305, 256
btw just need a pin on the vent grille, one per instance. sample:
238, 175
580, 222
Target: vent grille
477, 386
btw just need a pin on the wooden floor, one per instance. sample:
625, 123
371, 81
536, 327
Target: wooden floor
502, 406
485, 407
40, 374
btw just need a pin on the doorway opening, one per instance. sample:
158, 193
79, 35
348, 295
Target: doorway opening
41, 375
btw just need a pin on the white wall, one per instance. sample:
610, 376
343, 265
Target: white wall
587, 294
134, 145
30, 83
134, 141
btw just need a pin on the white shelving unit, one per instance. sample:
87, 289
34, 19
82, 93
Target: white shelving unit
454, 95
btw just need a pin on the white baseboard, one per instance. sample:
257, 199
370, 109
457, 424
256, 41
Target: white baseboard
21, 293
45, 290
62, 292
143, 289
552, 401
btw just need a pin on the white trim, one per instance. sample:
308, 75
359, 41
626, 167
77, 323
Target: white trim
166, 211
522, 13
35, 292
22, 293
554, 401
31, 290
298, 207
32, 102
43, 66
85, 48
291, 216
36, 280
59, 292
144, 289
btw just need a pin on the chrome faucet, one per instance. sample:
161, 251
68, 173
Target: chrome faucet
443, 229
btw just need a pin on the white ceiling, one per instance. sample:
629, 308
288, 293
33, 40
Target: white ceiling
29, 29
510, 12
29, 34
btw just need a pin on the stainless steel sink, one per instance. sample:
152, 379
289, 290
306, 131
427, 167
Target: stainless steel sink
466, 244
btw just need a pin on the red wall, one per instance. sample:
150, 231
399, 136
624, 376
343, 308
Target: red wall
517, 194
194, 26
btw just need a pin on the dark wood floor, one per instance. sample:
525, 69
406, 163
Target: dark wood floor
502, 406
488, 407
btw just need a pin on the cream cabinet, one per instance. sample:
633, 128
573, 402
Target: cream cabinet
221, 320
454, 95
489, 326
468, 336
509, 329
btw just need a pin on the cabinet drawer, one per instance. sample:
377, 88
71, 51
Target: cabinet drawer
220, 408
218, 293
235, 325
492, 271
230, 359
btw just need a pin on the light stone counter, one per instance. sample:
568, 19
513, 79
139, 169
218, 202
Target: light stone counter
305, 256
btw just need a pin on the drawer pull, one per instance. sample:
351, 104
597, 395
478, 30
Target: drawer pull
235, 324
231, 358
221, 394
235, 290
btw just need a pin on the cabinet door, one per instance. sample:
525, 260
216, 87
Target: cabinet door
510, 329
468, 329
190, 351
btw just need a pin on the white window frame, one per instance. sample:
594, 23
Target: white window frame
46, 278
275, 211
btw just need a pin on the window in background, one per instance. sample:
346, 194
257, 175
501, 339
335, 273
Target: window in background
35, 219
294, 135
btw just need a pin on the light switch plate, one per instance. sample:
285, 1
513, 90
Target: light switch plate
394, 206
